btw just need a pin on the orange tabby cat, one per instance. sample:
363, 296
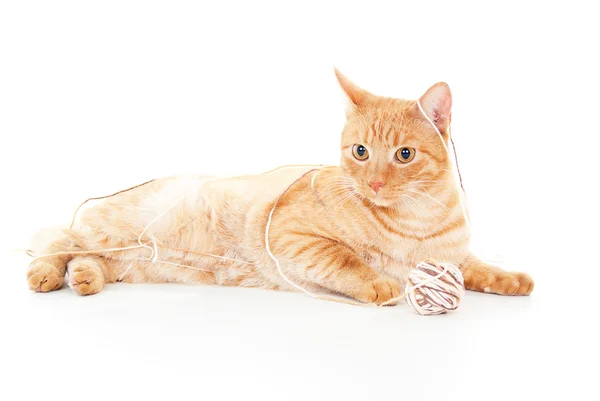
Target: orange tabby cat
353, 230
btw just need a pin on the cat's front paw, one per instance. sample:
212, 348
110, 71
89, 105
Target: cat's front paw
379, 291
504, 283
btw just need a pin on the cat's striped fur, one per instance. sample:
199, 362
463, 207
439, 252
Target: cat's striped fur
331, 230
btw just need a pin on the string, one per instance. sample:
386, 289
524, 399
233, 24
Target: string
328, 298
154, 179
416, 287
125, 272
104, 197
312, 182
210, 254
31, 253
433, 125
460, 198
456, 160
268, 247
154, 248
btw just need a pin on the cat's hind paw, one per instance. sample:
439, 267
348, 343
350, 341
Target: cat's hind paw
44, 277
85, 277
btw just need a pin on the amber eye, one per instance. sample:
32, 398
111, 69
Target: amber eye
404, 155
360, 152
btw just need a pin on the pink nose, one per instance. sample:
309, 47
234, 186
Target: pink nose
376, 185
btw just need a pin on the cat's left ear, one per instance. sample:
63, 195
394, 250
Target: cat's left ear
357, 97
437, 104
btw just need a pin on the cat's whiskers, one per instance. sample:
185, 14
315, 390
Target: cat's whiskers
428, 181
412, 206
429, 196
410, 200
333, 193
340, 196
336, 188
341, 179
343, 201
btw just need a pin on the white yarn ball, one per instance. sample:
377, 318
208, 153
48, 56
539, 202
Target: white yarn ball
434, 288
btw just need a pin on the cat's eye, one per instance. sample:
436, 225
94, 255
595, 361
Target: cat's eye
405, 155
360, 152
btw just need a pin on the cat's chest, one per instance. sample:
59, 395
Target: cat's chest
402, 253
394, 266
396, 258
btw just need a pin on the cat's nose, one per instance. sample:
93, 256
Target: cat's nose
376, 185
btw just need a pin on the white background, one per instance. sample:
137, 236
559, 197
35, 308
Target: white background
99, 96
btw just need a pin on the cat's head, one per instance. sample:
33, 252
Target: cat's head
390, 148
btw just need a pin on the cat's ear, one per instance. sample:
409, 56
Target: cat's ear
355, 95
437, 105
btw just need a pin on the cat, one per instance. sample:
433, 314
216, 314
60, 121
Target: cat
353, 230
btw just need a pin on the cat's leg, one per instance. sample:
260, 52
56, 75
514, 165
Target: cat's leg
44, 276
331, 265
88, 274
47, 274
481, 276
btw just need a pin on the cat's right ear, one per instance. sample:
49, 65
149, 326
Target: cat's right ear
355, 95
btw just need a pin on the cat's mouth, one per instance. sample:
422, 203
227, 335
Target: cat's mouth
382, 201
378, 199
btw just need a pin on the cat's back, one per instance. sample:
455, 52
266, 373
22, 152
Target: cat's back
266, 187
242, 203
